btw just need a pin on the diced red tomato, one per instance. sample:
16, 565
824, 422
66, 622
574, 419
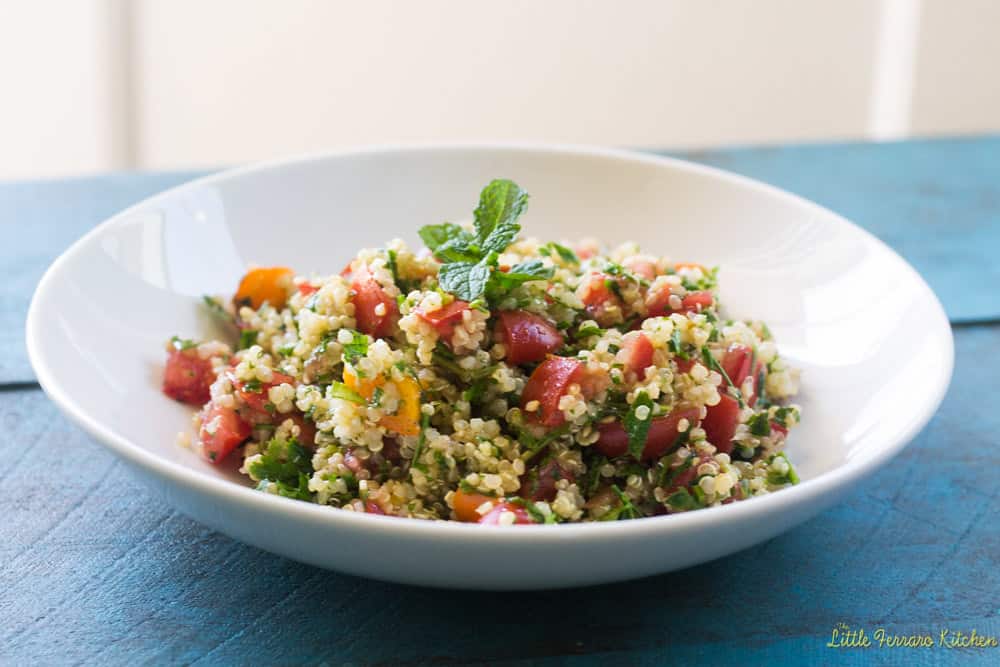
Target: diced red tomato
369, 298
720, 423
658, 303
547, 384
689, 474
492, 518
636, 353
775, 426
736, 363
597, 296
465, 504
305, 289
221, 432
445, 319
527, 337
540, 483
187, 377
663, 433
307, 430
373, 508
684, 365
642, 268
257, 400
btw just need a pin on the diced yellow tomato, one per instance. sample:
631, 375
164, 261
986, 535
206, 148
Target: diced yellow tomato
270, 284
406, 421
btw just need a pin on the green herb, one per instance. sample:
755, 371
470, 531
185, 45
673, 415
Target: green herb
286, 350
253, 386
357, 348
391, 262
625, 510
182, 344
270, 407
286, 464
475, 392
592, 478
682, 500
637, 427
778, 479
343, 392
587, 331
248, 337
713, 364
217, 309
425, 422
521, 273
785, 416
469, 259
564, 253
760, 425
677, 347
465, 280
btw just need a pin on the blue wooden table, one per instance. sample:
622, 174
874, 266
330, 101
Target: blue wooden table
93, 570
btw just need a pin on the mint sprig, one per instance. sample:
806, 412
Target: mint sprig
469, 259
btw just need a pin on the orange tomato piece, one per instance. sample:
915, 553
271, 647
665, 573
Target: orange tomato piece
270, 284
406, 421
465, 505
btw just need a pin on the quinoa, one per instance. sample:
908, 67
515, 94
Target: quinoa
495, 378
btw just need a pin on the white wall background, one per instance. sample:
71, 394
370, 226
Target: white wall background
92, 85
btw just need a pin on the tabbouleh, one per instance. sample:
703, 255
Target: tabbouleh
492, 378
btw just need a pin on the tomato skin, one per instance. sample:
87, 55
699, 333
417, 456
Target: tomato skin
368, 296
736, 363
663, 433
684, 365
270, 284
257, 400
689, 474
643, 268
540, 484
720, 423
636, 353
465, 505
446, 318
492, 518
187, 377
547, 384
658, 303
527, 337
305, 289
597, 296
373, 508
229, 432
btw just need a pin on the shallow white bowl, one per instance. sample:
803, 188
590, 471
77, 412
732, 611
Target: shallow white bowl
872, 340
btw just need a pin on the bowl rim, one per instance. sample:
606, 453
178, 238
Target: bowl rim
808, 491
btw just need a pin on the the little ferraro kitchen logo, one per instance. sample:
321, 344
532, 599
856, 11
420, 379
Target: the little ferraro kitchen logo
845, 636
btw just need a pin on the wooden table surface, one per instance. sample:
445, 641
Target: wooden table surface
94, 570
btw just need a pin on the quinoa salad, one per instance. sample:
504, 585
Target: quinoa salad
490, 377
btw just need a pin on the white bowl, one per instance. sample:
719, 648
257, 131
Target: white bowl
872, 340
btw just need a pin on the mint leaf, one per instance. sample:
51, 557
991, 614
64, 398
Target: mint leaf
638, 428
465, 280
501, 203
458, 250
521, 273
434, 236
501, 237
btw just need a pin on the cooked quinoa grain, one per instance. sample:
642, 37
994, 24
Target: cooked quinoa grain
492, 378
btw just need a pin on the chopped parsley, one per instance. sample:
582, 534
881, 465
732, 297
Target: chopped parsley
343, 392
287, 465
181, 344
637, 423
248, 337
357, 348
760, 425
